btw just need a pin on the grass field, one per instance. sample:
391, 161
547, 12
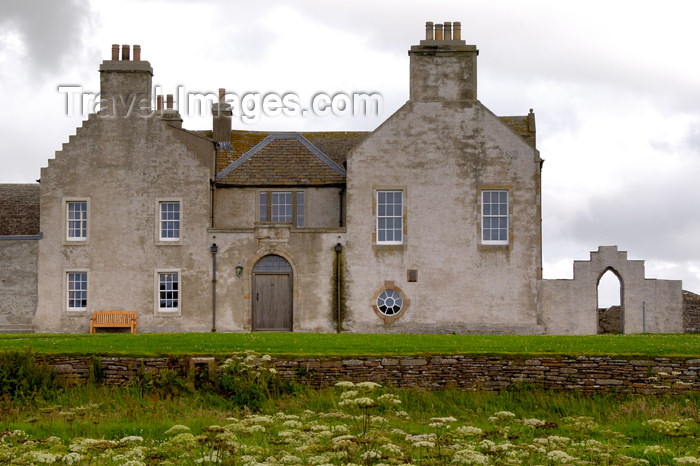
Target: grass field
101, 425
347, 345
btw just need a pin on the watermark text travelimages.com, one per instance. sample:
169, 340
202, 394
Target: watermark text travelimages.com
249, 107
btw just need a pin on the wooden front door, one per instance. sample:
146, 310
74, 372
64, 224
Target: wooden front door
272, 294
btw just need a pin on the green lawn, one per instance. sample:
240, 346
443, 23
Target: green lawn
348, 345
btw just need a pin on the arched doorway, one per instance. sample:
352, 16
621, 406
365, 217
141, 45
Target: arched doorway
610, 301
272, 295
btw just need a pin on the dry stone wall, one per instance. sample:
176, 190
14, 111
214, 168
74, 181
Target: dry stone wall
581, 374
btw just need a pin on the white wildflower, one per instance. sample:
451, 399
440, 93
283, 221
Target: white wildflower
349, 394
391, 449
487, 445
371, 455
389, 398
340, 429
54, 439
131, 439
423, 443
687, 460
72, 458
345, 384
470, 457
34, 457
469, 431
367, 385
534, 422
668, 427
258, 419
559, 456
177, 429
656, 450
443, 419
557, 440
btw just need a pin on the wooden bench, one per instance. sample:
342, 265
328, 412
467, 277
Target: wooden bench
113, 319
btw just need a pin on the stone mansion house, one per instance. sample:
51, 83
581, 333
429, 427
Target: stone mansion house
430, 223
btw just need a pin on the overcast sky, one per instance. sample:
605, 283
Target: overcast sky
615, 86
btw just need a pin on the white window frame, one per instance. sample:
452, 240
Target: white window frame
84, 229
160, 239
381, 214
68, 290
487, 213
168, 311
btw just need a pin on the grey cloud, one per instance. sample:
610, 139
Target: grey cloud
655, 221
52, 31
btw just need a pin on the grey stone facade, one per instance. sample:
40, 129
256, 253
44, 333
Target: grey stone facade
430, 223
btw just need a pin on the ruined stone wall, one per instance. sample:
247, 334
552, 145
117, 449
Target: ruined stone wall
569, 307
691, 312
581, 374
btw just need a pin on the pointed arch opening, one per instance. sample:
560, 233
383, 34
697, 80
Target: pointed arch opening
610, 299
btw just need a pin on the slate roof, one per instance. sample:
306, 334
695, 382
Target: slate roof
334, 144
290, 159
19, 209
521, 126
287, 159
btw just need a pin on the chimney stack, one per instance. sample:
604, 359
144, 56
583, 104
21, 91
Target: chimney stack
443, 66
125, 85
170, 115
221, 125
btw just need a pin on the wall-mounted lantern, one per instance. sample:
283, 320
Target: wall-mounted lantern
239, 270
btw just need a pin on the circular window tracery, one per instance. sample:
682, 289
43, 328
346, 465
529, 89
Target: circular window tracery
389, 302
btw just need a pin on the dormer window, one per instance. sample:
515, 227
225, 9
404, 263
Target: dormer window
282, 207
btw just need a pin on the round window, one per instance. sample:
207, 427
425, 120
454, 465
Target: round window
389, 302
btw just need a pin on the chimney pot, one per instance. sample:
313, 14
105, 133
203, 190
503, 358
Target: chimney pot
170, 102
448, 32
137, 53
222, 94
125, 52
438, 32
115, 51
457, 26
159, 102
429, 30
